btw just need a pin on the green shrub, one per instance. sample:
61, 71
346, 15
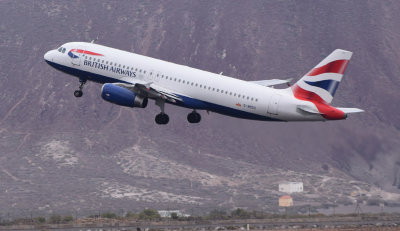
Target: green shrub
55, 219
39, 220
132, 215
217, 215
174, 216
240, 214
149, 214
67, 219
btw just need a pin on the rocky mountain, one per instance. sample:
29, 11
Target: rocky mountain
61, 154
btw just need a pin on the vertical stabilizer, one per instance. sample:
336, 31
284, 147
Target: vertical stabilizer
321, 82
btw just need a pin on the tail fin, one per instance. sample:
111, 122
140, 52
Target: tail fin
320, 84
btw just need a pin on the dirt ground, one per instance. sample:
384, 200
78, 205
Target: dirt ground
343, 229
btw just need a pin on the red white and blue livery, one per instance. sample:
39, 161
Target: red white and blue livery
131, 80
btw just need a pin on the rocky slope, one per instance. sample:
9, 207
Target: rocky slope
62, 154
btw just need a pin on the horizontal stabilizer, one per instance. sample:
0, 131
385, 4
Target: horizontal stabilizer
350, 110
271, 82
308, 109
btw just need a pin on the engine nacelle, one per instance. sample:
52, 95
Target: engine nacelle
122, 96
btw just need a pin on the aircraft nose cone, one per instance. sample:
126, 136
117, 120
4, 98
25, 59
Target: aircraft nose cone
47, 56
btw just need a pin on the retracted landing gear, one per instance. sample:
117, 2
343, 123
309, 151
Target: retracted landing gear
161, 118
79, 93
193, 117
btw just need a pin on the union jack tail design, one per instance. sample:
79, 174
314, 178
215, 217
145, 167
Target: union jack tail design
320, 84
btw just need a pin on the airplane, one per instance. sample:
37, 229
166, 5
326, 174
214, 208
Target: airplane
131, 79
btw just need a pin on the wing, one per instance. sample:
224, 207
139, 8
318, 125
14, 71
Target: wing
271, 82
151, 90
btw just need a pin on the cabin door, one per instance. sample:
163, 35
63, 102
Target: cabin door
273, 104
76, 55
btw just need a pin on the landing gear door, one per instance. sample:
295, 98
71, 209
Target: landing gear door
273, 104
76, 55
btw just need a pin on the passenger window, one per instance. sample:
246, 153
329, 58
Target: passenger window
59, 49
256, 100
144, 72
102, 61
196, 84
239, 95
213, 89
90, 58
192, 84
175, 79
217, 90
123, 66
222, 91
183, 81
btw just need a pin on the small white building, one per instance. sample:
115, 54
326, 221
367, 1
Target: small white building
168, 213
291, 187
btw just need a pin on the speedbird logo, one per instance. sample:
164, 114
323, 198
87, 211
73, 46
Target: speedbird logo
72, 52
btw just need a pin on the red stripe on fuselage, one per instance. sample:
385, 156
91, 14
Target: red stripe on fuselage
338, 66
327, 111
85, 52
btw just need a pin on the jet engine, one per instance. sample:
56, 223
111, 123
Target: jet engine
122, 96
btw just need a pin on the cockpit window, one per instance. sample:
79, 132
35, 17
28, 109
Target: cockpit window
61, 49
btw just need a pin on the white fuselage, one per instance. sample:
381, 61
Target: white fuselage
199, 89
